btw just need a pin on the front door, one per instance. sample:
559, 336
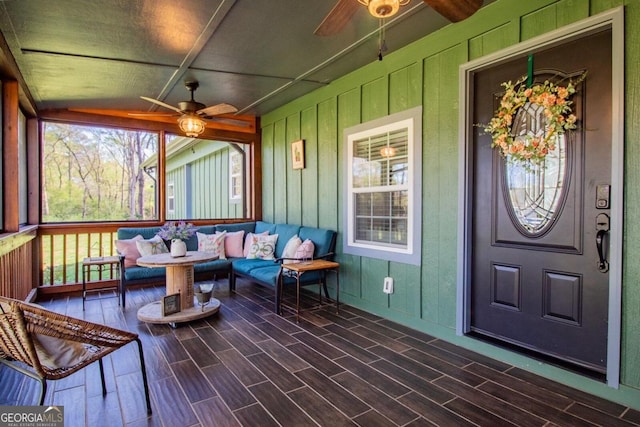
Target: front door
539, 234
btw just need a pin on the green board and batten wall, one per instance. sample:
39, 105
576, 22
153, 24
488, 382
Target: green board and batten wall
196, 169
426, 73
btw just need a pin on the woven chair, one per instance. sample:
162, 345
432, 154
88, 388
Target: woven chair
49, 346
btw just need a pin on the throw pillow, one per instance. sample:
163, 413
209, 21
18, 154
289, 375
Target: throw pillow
249, 239
153, 246
128, 248
233, 244
305, 250
213, 243
290, 249
263, 247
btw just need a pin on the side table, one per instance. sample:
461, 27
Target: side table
101, 264
296, 270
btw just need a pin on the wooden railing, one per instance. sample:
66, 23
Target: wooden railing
16, 263
63, 247
62, 252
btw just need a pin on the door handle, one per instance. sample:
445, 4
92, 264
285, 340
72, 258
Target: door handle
602, 225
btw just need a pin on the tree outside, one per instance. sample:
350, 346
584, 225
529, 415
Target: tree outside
95, 174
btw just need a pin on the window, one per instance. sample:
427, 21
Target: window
235, 176
201, 172
383, 206
171, 199
94, 173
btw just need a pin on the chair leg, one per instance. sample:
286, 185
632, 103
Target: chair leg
232, 283
143, 369
104, 386
43, 390
324, 284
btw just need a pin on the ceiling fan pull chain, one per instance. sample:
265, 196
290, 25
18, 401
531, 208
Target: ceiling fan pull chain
382, 43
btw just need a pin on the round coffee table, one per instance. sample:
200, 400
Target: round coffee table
179, 279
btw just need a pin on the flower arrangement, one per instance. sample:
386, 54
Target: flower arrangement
557, 111
177, 230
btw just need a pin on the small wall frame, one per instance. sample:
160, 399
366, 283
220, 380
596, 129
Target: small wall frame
297, 154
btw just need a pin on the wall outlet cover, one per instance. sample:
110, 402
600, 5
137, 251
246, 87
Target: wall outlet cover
388, 285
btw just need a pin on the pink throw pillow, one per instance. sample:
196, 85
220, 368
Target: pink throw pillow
233, 244
305, 250
249, 239
128, 248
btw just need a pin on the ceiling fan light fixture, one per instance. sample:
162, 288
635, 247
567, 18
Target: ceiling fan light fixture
383, 8
191, 125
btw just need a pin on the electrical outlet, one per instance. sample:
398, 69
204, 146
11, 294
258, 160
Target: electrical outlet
387, 288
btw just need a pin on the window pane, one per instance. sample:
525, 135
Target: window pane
97, 174
204, 185
363, 204
381, 217
381, 204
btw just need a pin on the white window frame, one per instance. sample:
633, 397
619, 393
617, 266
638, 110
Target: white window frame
411, 252
235, 156
171, 198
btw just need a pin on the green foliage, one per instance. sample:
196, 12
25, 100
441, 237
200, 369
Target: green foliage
97, 174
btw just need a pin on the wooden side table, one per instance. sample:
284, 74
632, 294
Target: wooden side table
102, 263
298, 269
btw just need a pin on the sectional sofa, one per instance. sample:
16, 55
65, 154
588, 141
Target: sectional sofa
265, 272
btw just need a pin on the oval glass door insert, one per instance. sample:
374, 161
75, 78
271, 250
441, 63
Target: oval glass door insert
535, 191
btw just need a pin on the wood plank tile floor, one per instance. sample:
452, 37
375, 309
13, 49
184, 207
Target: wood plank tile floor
246, 366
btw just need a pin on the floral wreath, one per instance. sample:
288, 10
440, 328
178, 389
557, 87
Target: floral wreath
557, 110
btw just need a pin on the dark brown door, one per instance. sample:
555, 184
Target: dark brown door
537, 280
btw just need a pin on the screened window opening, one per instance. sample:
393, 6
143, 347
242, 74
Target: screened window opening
92, 173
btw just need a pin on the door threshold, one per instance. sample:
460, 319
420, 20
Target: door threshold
556, 361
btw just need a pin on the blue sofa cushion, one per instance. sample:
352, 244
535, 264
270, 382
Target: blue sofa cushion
261, 227
130, 233
247, 227
219, 264
246, 266
320, 237
266, 274
284, 232
136, 273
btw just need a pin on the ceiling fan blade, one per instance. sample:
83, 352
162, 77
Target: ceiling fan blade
337, 18
214, 110
455, 10
162, 104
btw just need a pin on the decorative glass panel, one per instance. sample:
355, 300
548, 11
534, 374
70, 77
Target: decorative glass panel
535, 190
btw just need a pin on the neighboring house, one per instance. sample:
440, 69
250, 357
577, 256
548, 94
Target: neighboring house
204, 179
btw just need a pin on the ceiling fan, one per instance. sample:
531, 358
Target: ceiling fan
339, 16
191, 114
